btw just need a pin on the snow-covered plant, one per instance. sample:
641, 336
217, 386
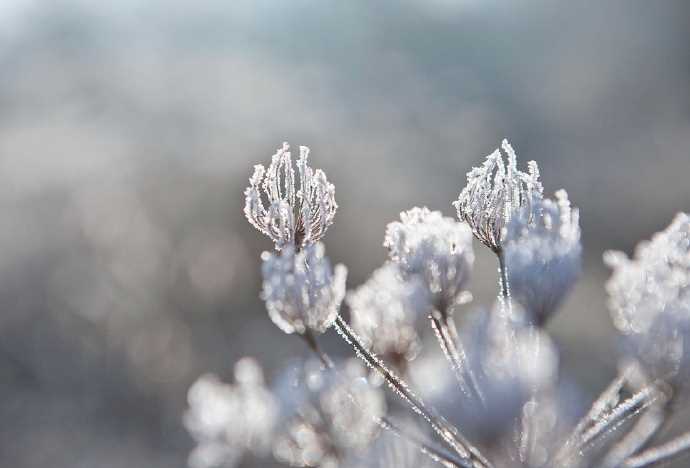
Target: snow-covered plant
499, 399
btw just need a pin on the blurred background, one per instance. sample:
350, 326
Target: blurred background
128, 131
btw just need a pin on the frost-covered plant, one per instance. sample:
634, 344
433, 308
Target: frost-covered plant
542, 257
503, 401
385, 312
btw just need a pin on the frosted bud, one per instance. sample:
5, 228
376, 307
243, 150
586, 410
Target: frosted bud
287, 211
543, 258
228, 419
497, 192
384, 311
435, 248
649, 299
301, 290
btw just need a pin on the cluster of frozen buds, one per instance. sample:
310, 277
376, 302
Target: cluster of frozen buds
385, 311
435, 248
301, 290
503, 362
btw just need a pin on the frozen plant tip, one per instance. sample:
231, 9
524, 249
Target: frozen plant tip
301, 290
296, 213
436, 249
495, 193
543, 257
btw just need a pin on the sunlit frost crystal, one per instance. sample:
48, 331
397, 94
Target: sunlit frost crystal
543, 257
649, 299
384, 311
301, 290
495, 193
295, 214
228, 419
435, 248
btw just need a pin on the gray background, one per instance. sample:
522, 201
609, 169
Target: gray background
128, 132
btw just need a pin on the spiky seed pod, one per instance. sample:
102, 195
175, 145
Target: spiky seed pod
649, 299
495, 193
435, 248
295, 214
301, 290
543, 258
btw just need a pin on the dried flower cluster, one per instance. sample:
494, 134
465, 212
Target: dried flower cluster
499, 399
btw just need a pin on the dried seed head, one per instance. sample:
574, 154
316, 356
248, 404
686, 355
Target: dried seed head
228, 419
435, 248
497, 192
295, 214
543, 257
649, 299
301, 290
384, 311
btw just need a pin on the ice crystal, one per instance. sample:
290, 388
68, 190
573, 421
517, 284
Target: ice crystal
295, 214
301, 290
497, 192
329, 415
543, 257
228, 419
649, 299
384, 312
435, 248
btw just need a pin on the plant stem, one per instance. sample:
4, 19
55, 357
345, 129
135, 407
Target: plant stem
445, 430
675, 448
437, 454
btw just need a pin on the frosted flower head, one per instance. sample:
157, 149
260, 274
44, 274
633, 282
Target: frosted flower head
384, 311
228, 419
328, 414
497, 192
301, 290
543, 258
295, 214
649, 299
435, 248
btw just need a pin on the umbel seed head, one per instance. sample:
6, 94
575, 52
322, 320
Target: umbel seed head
497, 192
295, 213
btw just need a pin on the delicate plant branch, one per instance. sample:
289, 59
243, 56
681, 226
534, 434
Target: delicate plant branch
446, 431
640, 434
676, 448
608, 399
437, 454
611, 421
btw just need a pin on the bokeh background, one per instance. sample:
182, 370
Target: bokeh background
128, 131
